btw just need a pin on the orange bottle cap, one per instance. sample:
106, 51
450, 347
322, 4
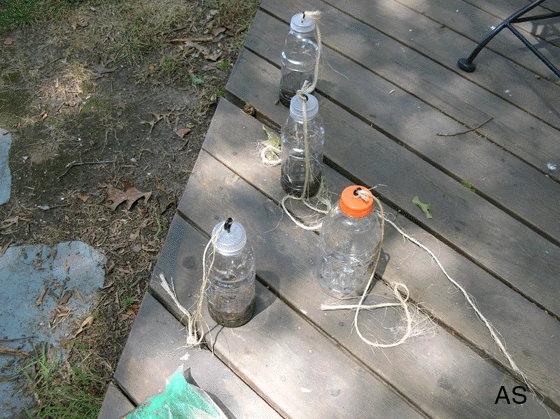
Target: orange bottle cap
354, 204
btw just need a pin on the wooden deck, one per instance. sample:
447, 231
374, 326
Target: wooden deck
392, 97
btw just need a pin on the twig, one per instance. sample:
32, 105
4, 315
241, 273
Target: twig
193, 40
12, 351
71, 165
171, 148
174, 30
16, 339
464, 132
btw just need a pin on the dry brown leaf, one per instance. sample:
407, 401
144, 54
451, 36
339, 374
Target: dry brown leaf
217, 31
66, 267
129, 197
65, 297
39, 300
77, 295
213, 56
84, 198
8, 41
87, 322
182, 132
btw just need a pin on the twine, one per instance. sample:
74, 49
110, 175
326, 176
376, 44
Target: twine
322, 196
403, 301
195, 321
366, 195
398, 290
493, 332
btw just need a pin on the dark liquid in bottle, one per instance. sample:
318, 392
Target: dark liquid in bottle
295, 188
230, 319
286, 96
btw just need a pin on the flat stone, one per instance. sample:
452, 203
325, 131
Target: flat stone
5, 175
45, 291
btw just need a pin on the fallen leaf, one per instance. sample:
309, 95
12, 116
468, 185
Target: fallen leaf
218, 31
65, 298
87, 322
151, 68
212, 56
66, 267
122, 106
102, 69
468, 184
129, 196
182, 132
77, 295
424, 207
8, 41
39, 300
134, 235
84, 198
44, 116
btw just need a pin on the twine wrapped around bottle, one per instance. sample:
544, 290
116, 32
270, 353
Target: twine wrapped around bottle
195, 322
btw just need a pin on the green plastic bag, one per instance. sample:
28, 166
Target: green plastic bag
180, 401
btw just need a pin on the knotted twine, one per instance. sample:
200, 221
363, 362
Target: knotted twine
399, 287
321, 197
195, 322
366, 195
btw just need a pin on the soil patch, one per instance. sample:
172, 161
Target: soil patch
108, 103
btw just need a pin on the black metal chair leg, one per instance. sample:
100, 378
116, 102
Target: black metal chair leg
467, 64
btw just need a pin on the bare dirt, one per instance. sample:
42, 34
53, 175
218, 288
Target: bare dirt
108, 104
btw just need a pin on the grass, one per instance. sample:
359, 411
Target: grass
19, 13
63, 391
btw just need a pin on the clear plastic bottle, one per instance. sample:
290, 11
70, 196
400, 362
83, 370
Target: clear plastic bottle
348, 244
293, 148
231, 280
299, 57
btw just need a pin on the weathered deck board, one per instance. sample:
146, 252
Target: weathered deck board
505, 8
475, 23
493, 172
389, 85
500, 76
510, 127
297, 369
502, 245
408, 265
156, 349
115, 404
284, 253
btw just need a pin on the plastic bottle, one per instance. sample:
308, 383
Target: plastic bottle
299, 57
231, 279
348, 244
293, 148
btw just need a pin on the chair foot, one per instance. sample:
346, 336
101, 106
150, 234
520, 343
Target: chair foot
464, 65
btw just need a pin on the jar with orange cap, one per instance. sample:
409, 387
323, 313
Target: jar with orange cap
349, 241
